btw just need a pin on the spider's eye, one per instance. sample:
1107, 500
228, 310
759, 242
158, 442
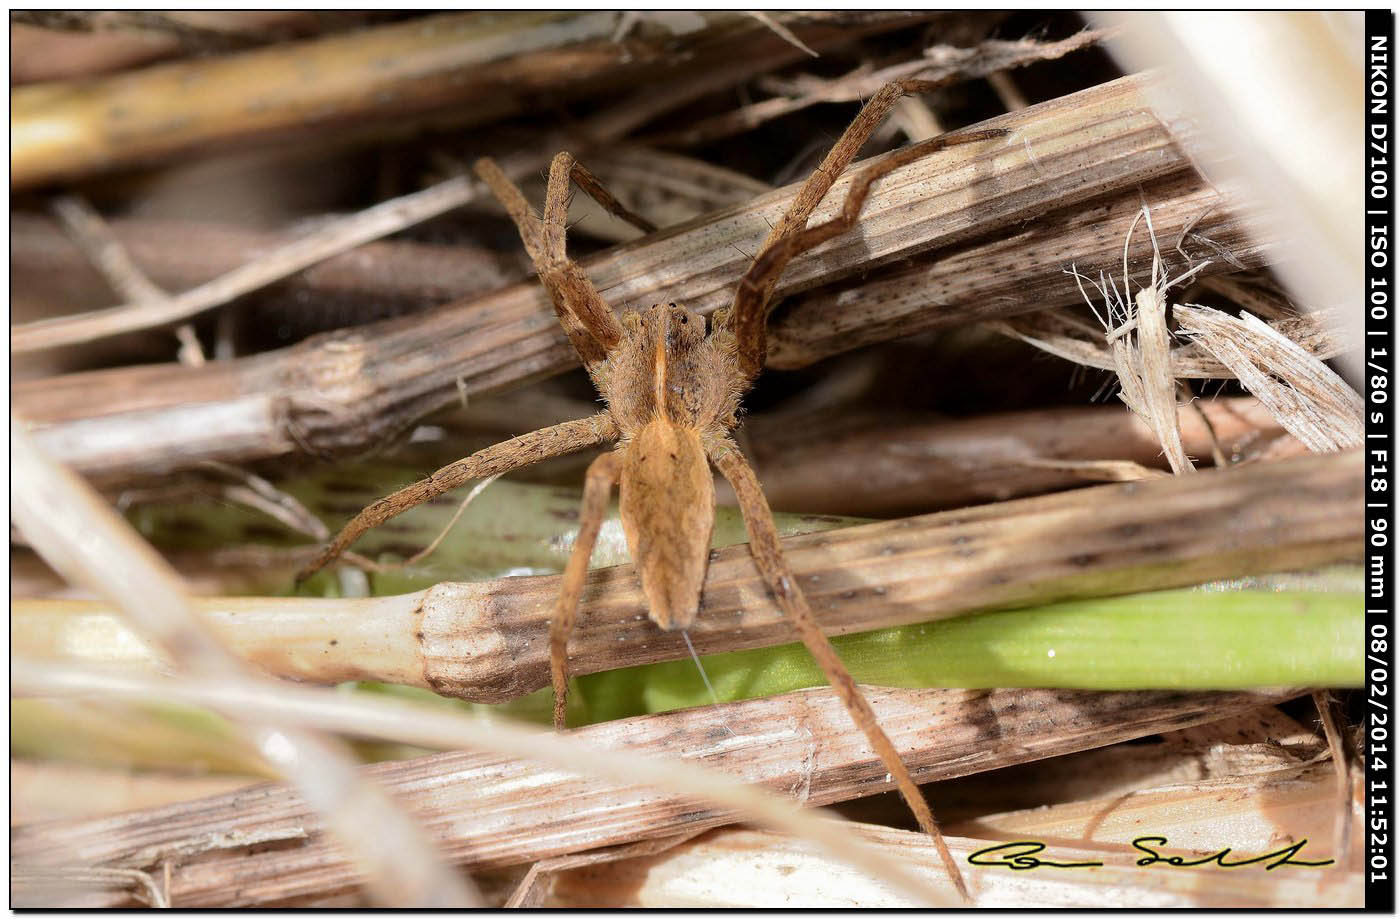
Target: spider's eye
685, 319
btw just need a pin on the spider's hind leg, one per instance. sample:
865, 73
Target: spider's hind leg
773, 567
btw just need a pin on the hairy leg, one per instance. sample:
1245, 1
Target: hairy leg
502, 457
768, 556
749, 314
586, 317
597, 487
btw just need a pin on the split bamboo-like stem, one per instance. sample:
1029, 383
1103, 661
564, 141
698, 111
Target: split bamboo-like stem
487, 810
347, 391
488, 641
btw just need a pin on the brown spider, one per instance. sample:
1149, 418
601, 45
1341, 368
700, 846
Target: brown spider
672, 392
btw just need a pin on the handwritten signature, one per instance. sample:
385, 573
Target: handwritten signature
1021, 856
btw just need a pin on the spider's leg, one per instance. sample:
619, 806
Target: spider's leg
597, 487
790, 237
585, 315
561, 170
502, 457
773, 566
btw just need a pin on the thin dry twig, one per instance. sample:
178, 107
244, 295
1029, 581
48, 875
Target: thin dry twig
97, 241
941, 63
372, 223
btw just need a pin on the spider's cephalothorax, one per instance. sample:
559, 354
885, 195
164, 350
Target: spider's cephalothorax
673, 392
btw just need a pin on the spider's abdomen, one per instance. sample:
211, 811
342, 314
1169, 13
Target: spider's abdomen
667, 497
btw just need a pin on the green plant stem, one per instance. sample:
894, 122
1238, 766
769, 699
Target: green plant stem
1174, 639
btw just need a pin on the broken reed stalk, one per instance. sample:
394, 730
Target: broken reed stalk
382, 74
487, 810
487, 641
349, 390
49, 503
1316, 405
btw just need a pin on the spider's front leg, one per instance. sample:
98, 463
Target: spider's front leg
585, 315
568, 437
748, 317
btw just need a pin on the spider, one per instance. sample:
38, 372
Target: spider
672, 390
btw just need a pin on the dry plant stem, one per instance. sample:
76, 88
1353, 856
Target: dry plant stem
55, 886
48, 504
348, 391
773, 567
1332, 716
424, 726
378, 74
486, 810
876, 466
488, 641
